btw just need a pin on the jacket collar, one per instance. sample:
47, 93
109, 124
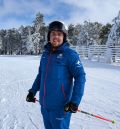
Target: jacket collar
61, 48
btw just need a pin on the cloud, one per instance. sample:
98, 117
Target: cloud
14, 23
22, 8
94, 10
69, 11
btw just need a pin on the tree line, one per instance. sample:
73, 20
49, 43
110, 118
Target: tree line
31, 39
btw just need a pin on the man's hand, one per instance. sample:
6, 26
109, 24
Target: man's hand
71, 107
30, 97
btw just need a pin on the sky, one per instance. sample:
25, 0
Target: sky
14, 13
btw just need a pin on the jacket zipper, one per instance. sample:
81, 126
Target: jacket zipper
46, 78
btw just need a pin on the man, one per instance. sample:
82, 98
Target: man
60, 96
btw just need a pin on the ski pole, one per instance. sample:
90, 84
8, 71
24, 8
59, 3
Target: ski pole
97, 116
90, 114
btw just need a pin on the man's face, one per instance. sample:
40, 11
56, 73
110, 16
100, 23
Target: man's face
56, 38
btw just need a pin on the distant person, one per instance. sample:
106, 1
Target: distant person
60, 95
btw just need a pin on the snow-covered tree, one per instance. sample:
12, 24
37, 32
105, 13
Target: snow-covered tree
89, 33
2, 41
0, 44
71, 33
12, 41
104, 32
38, 22
23, 39
114, 35
35, 41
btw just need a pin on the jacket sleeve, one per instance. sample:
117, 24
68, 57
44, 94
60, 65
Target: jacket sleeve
77, 71
36, 83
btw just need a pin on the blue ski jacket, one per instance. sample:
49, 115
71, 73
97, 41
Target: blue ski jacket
61, 77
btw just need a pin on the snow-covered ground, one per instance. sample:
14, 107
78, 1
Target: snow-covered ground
102, 95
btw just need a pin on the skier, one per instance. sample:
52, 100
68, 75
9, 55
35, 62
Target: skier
60, 95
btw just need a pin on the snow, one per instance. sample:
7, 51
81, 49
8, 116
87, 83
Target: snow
102, 95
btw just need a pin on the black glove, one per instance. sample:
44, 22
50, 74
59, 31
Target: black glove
30, 97
71, 107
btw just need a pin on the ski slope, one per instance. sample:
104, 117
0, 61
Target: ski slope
102, 95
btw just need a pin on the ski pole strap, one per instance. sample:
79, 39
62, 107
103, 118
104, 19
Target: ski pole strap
99, 117
36, 100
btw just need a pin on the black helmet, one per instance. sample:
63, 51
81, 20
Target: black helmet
58, 26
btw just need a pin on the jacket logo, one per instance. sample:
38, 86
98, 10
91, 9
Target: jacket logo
78, 63
59, 118
60, 55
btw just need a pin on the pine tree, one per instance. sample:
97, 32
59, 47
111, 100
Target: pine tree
104, 32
